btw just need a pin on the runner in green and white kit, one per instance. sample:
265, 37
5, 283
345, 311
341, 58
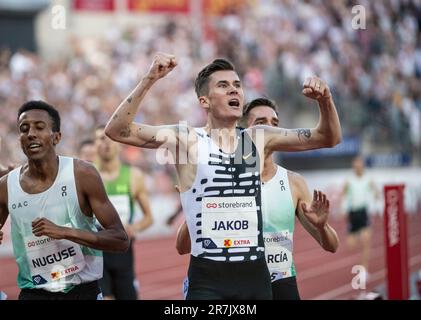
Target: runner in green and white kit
51, 200
124, 185
285, 195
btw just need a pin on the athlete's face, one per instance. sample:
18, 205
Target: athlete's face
358, 165
88, 152
225, 96
107, 149
37, 138
262, 115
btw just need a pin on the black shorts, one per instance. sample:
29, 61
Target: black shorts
357, 220
285, 289
215, 280
84, 291
118, 278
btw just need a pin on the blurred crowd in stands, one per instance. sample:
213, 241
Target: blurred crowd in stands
374, 73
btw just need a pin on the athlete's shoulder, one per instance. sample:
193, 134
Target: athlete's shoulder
3, 189
6, 175
84, 168
296, 179
3, 184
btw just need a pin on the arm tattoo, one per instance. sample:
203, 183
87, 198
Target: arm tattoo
305, 133
152, 140
125, 132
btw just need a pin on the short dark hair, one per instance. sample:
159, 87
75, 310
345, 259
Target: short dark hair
100, 127
202, 79
86, 142
41, 105
259, 102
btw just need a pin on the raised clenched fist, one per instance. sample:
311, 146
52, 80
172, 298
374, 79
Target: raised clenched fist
315, 88
162, 64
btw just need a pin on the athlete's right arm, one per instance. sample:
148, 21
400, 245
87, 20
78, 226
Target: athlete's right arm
344, 190
4, 211
183, 244
5, 170
94, 199
121, 126
315, 214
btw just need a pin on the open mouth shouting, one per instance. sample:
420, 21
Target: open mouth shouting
235, 103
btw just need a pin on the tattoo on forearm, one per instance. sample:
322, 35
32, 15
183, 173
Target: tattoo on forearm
305, 133
152, 140
129, 100
125, 132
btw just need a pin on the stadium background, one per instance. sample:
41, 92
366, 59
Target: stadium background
84, 56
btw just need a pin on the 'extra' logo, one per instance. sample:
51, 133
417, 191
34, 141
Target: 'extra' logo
241, 242
57, 274
20, 205
227, 243
211, 205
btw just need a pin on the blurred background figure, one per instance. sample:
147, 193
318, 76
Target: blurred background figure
124, 185
359, 191
87, 150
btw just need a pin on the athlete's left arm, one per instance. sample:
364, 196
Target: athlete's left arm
5, 170
313, 215
4, 211
183, 242
326, 134
140, 194
376, 192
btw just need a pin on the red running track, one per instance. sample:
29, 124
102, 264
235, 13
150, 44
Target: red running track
320, 274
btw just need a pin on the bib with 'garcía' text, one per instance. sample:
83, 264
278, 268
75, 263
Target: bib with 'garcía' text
278, 252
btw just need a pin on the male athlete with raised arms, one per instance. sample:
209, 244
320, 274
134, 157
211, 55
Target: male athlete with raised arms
218, 168
285, 195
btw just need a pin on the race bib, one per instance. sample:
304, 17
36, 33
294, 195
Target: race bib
122, 204
51, 260
229, 222
278, 252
